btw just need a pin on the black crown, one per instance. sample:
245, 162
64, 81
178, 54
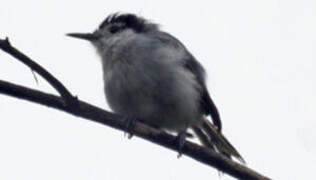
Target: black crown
138, 24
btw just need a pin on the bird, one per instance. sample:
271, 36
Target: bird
150, 76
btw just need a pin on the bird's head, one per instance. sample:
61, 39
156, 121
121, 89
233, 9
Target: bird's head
116, 26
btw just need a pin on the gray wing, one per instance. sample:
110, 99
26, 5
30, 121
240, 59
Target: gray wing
207, 105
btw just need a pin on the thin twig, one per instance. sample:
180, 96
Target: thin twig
35, 77
70, 100
87, 111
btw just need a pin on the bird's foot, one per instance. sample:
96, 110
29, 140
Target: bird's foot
180, 140
129, 126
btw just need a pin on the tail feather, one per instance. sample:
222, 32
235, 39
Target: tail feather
203, 138
212, 138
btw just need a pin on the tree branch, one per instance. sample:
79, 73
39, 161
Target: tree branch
90, 112
6, 46
96, 114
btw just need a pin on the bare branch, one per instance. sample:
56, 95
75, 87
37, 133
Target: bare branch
6, 46
90, 112
199, 153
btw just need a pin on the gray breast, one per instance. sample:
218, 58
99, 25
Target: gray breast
147, 81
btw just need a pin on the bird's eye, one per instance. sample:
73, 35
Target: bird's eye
115, 29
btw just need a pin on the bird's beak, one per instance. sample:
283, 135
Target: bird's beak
85, 36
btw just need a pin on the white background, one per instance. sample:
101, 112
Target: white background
260, 58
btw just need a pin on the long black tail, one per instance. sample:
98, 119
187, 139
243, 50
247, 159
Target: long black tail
210, 137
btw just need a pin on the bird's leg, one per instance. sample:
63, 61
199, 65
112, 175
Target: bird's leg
180, 140
129, 126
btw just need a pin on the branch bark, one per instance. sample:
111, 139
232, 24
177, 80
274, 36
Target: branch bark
5, 45
90, 112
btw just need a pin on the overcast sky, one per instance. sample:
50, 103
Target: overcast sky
260, 57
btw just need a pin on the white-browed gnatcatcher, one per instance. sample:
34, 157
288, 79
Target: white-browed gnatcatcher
151, 76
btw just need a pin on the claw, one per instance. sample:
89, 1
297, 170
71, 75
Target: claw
129, 127
180, 139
